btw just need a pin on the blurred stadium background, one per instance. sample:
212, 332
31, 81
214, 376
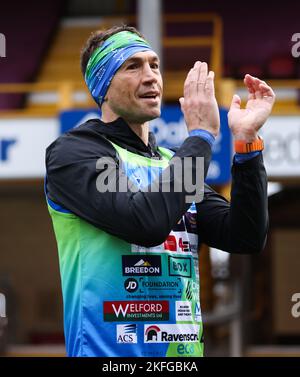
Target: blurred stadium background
247, 300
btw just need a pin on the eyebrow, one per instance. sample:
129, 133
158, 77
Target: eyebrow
138, 59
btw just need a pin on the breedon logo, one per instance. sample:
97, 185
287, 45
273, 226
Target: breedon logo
118, 311
135, 265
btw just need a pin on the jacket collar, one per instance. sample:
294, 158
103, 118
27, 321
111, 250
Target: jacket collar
120, 133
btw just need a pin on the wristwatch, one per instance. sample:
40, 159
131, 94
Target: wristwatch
242, 146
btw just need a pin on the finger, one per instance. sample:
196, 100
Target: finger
209, 85
235, 103
260, 88
194, 80
190, 85
265, 88
258, 92
181, 101
186, 84
249, 82
202, 77
267, 91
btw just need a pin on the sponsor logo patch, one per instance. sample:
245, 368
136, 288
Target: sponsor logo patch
183, 311
191, 290
180, 266
153, 289
197, 312
131, 285
179, 242
175, 333
186, 349
127, 333
118, 311
137, 265
159, 285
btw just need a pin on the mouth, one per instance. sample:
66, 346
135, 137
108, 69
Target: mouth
152, 97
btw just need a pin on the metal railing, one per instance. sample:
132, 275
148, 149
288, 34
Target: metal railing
68, 95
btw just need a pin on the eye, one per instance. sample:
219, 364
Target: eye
154, 66
132, 66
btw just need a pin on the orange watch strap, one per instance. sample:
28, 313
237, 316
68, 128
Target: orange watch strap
242, 146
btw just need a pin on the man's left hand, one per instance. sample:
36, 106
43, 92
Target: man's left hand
245, 123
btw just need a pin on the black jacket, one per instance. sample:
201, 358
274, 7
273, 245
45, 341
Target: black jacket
146, 218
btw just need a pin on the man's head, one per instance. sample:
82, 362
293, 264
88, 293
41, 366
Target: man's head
122, 73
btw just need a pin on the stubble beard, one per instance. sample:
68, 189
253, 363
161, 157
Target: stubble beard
136, 117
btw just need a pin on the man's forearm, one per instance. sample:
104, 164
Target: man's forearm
249, 206
240, 226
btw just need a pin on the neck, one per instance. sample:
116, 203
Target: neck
140, 129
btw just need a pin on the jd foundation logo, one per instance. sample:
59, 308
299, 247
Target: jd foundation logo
131, 285
135, 265
135, 311
151, 287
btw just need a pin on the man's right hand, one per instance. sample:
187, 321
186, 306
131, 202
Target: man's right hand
199, 104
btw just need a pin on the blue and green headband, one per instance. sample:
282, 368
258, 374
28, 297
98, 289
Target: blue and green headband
108, 58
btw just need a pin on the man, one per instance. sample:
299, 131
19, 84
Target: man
128, 258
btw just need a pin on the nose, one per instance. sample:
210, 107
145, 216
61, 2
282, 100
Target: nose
149, 76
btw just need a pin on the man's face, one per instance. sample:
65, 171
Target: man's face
136, 89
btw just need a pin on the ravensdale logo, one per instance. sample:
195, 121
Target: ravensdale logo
171, 333
151, 334
135, 311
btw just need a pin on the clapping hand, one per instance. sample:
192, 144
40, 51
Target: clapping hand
245, 123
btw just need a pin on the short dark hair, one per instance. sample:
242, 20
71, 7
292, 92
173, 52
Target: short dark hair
97, 38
